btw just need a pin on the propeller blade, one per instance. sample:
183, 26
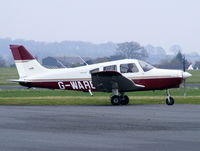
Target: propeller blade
184, 87
184, 63
185, 75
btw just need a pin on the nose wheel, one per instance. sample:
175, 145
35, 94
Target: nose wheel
169, 99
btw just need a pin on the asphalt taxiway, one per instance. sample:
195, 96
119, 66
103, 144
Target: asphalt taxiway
117, 128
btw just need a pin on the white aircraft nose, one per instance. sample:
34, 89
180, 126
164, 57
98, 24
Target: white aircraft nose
186, 75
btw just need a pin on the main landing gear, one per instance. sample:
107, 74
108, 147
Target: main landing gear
119, 99
169, 99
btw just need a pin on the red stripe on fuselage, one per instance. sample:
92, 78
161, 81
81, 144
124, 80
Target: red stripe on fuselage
150, 84
160, 84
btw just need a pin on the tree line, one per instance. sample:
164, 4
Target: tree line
133, 50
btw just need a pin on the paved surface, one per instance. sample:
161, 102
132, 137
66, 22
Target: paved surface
193, 85
11, 87
85, 128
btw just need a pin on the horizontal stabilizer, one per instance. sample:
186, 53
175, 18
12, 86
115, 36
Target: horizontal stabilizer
16, 80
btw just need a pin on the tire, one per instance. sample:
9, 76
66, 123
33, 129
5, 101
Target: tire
170, 101
124, 100
115, 100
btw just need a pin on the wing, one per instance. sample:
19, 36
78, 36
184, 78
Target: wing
108, 80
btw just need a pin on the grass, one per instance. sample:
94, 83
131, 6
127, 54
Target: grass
13, 93
60, 97
97, 100
6, 74
195, 76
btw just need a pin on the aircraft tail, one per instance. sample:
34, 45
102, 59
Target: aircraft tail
26, 64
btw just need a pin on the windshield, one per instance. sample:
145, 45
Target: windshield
145, 66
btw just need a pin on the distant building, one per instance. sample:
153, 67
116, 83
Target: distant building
51, 62
63, 62
190, 67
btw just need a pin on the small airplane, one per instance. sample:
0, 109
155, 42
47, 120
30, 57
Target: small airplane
117, 77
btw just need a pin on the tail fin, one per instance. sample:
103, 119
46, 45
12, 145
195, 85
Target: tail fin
26, 64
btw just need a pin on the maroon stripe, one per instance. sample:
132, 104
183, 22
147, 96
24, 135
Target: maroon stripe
150, 84
159, 84
20, 53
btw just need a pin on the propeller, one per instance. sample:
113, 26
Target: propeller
184, 86
185, 75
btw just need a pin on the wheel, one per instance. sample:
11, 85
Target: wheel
170, 100
115, 100
124, 100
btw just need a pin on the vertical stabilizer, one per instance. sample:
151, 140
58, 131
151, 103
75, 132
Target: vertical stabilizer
26, 64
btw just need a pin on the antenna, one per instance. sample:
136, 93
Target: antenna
83, 60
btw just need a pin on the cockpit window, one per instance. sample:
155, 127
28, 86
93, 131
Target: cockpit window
145, 66
110, 68
128, 68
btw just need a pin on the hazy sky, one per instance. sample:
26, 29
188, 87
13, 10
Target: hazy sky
157, 22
